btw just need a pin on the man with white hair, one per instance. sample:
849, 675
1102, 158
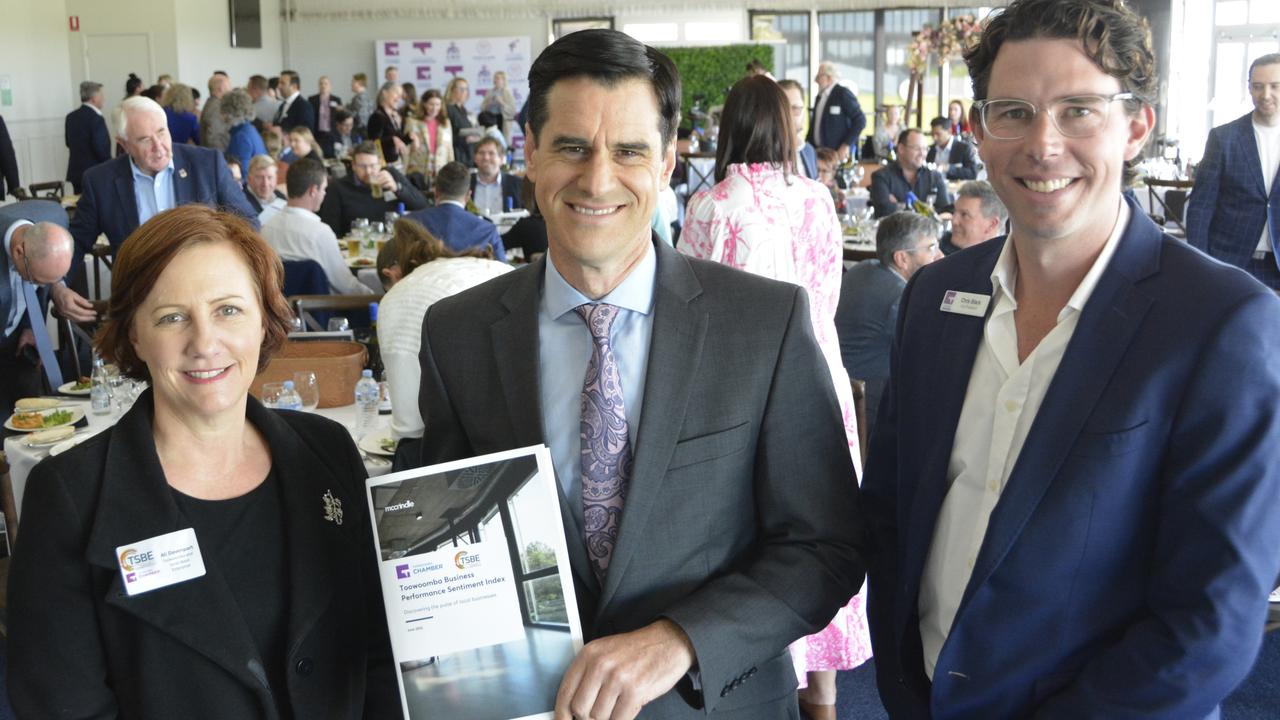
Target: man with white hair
86, 134
837, 117
37, 253
153, 176
214, 131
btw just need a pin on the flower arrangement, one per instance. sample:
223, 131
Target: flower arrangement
947, 42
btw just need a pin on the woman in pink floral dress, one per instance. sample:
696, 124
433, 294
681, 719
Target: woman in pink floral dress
764, 218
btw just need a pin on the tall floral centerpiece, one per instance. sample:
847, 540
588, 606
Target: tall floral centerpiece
943, 44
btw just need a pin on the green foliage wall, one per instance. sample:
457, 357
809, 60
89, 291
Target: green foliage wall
711, 71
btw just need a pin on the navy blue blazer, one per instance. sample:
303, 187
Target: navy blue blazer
8, 163
963, 164
300, 113
510, 189
809, 161
107, 203
889, 188
460, 230
1229, 203
88, 142
1126, 566
866, 317
842, 120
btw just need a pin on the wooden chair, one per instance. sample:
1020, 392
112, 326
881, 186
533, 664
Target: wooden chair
860, 414
305, 305
52, 190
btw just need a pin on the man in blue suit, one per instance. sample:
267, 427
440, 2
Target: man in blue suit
449, 220
85, 132
151, 177
837, 117
807, 156
1073, 480
1234, 210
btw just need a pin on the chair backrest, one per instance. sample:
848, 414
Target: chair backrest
315, 309
304, 277
51, 190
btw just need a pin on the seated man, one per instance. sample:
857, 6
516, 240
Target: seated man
261, 190
953, 157
979, 216
891, 183
296, 232
492, 189
449, 220
370, 192
868, 311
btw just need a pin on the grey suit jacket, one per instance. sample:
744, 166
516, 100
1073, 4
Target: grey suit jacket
741, 523
34, 211
865, 321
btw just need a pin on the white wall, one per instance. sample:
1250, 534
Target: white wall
33, 55
341, 48
204, 28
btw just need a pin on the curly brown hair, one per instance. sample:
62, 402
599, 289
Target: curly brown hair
146, 253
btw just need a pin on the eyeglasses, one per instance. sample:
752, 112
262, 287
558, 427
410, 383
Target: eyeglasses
930, 248
1074, 117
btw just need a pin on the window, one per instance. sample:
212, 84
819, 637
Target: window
789, 35
560, 28
653, 32
538, 573
848, 39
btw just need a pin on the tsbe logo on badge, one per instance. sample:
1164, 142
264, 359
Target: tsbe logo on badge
160, 561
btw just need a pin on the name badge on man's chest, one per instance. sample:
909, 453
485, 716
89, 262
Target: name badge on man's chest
160, 561
834, 110
963, 303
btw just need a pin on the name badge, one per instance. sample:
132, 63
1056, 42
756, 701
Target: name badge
835, 109
160, 561
965, 303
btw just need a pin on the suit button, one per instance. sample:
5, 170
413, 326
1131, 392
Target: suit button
305, 666
902, 680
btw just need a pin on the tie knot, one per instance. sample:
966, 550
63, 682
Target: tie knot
598, 317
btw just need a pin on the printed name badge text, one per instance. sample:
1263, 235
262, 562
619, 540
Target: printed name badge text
965, 303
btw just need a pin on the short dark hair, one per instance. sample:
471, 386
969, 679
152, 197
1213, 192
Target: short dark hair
755, 127
303, 175
608, 57
1268, 59
1117, 39
453, 181
900, 231
940, 122
148, 251
906, 134
368, 147
340, 116
294, 79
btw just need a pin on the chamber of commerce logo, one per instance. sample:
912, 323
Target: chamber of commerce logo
464, 560
391, 48
402, 571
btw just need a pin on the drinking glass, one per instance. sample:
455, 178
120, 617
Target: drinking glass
339, 324
271, 393
296, 324
308, 387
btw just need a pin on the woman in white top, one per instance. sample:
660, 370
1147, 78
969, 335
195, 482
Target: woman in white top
430, 272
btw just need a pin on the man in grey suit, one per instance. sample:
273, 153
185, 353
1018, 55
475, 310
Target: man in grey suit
869, 293
708, 492
37, 252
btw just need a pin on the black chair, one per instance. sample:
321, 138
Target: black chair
52, 190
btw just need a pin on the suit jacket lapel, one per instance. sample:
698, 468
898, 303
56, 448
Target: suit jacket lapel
126, 199
182, 179
674, 354
1247, 145
1106, 327
136, 505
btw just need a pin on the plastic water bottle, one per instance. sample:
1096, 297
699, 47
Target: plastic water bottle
367, 399
289, 399
100, 388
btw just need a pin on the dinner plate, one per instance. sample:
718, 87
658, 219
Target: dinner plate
32, 441
372, 444
361, 262
77, 412
66, 389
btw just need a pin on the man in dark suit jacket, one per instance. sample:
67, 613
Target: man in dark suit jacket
1065, 500
1234, 209
891, 183
38, 251
9, 183
325, 104
450, 221
953, 157
837, 119
352, 196
869, 293
490, 178
294, 109
85, 132
740, 522
152, 177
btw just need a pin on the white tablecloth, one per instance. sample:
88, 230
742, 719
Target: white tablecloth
23, 458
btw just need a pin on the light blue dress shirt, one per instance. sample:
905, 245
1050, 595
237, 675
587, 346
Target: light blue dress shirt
564, 349
18, 307
153, 194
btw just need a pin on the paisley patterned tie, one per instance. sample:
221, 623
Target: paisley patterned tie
606, 447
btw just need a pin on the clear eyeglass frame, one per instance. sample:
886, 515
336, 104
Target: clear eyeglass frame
1079, 116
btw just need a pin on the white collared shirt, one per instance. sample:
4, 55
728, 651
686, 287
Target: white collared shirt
942, 155
488, 195
93, 107
298, 234
1000, 405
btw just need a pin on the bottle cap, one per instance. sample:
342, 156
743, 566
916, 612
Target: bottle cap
288, 384
367, 373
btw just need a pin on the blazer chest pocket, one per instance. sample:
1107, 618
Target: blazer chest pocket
710, 446
1109, 443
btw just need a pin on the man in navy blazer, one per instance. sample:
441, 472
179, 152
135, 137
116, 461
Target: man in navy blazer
450, 221
1234, 210
294, 110
153, 176
837, 117
85, 132
954, 157
1072, 483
